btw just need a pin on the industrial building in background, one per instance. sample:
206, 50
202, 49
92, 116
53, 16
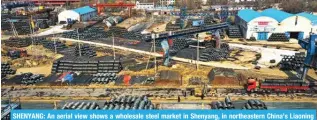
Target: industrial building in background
261, 25
79, 14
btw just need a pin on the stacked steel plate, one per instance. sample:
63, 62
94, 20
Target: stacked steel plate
281, 37
294, 62
6, 70
103, 78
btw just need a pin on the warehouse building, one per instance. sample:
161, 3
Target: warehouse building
80, 14
145, 6
262, 24
253, 24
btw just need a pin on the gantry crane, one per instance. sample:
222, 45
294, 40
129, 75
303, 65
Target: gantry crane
101, 6
310, 46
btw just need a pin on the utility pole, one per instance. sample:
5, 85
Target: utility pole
114, 52
197, 60
79, 49
155, 65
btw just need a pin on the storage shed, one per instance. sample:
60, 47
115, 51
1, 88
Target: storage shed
261, 25
80, 14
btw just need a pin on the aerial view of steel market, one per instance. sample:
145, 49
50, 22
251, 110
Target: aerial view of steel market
158, 54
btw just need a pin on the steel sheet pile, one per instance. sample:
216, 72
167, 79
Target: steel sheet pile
6, 70
116, 103
294, 62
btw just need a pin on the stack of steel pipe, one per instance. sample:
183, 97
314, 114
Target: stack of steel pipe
6, 70
254, 105
103, 78
31, 79
293, 62
227, 104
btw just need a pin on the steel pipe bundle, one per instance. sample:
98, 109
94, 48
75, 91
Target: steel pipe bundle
278, 37
234, 32
85, 51
294, 62
90, 67
31, 79
128, 103
254, 105
227, 104
6, 70
103, 78
18, 42
81, 106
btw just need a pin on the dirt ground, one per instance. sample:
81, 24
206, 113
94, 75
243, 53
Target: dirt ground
284, 45
131, 21
46, 70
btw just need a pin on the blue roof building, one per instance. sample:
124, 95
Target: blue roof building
248, 14
311, 17
84, 10
276, 14
81, 14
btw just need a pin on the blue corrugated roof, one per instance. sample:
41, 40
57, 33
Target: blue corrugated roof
276, 14
248, 14
84, 10
311, 17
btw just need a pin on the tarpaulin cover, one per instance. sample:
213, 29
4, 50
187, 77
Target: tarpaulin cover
68, 77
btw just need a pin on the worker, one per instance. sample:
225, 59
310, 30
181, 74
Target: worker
178, 99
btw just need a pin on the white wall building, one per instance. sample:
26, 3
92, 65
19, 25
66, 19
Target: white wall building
139, 5
80, 14
230, 7
262, 24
